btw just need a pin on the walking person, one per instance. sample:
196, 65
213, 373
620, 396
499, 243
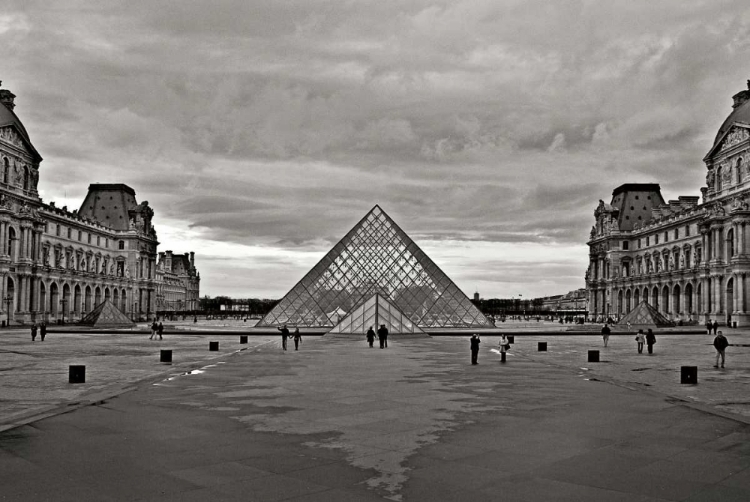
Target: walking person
475, 341
650, 341
297, 338
504, 347
383, 336
33, 332
284, 336
720, 344
43, 330
640, 338
154, 327
160, 330
605, 334
370, 336
716, 326
709, 327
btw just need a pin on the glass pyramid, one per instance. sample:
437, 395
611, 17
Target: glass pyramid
376, 257
371, 314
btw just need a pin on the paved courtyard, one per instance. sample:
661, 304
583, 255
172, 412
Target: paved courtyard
340, 421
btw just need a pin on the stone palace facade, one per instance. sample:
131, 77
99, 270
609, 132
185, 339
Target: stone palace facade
688, 258
57, 264
178, 283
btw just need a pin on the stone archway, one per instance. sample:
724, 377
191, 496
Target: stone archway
676, 304
730, 299
689, 299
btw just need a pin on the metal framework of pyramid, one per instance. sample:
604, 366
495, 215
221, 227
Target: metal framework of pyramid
376, 257
645, 315
375, 311
106, 315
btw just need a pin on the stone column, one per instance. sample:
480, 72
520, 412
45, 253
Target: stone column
740, 294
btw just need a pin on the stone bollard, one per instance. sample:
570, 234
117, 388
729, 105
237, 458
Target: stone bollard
689, 375
77, 374
542, 347
593, 356
213, 346
243, 338
166, 356
511, 339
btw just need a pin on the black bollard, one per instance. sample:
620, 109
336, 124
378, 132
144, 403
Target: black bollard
511, 339
243, 338
593, 356
689, 375
166, 356
213, 346
77, 374
542, 347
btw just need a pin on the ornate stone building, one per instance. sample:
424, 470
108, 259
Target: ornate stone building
178, 282
690, 260
58, 264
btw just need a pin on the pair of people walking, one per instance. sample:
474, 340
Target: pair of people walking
383, 336
712, 326
42, 328
297, 337
649, 339
156, 329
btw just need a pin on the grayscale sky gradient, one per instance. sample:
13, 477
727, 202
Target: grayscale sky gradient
261, 132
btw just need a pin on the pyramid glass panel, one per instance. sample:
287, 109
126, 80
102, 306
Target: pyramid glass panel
371, 314
376, 257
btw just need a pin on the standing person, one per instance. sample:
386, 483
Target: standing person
370, 336
475, 341
709, 327
154, 327
284, 336
383, 336
605, 333
504, 347
640, 338
33, 332
650, 341
628, 325
297, 338
160, 330
716, 326
43, 330
720, 344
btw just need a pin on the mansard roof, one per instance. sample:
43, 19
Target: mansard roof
9, 118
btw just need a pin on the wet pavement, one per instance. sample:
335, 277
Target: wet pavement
340, 421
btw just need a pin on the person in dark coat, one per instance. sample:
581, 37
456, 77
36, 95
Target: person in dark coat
284, 336
297, 338
720, 344
383, 336
160, 330
605, 334
42, 330
370, 336
475, 341
716, 326
154, 327
33, 332
650, 341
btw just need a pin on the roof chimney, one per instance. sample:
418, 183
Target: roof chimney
738, 98
7, 97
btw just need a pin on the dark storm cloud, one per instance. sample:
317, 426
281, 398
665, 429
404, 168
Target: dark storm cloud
280, 124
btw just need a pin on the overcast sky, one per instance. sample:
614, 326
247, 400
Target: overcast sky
261, 132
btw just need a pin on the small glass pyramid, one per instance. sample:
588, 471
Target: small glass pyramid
376, 257
376, 311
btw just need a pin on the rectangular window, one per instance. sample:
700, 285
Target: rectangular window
666, 236
106, 242
687, 230
70, 232
89, 239
625, 245
80, 236
676, 233
639, 244
656, 238
57, 231
97, 241
647, 241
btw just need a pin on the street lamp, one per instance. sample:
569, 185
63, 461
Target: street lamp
64, 302
8, 300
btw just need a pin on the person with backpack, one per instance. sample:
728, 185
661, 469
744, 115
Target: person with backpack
720, 344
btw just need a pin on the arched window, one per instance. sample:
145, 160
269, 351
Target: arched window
739, 170
121, 245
